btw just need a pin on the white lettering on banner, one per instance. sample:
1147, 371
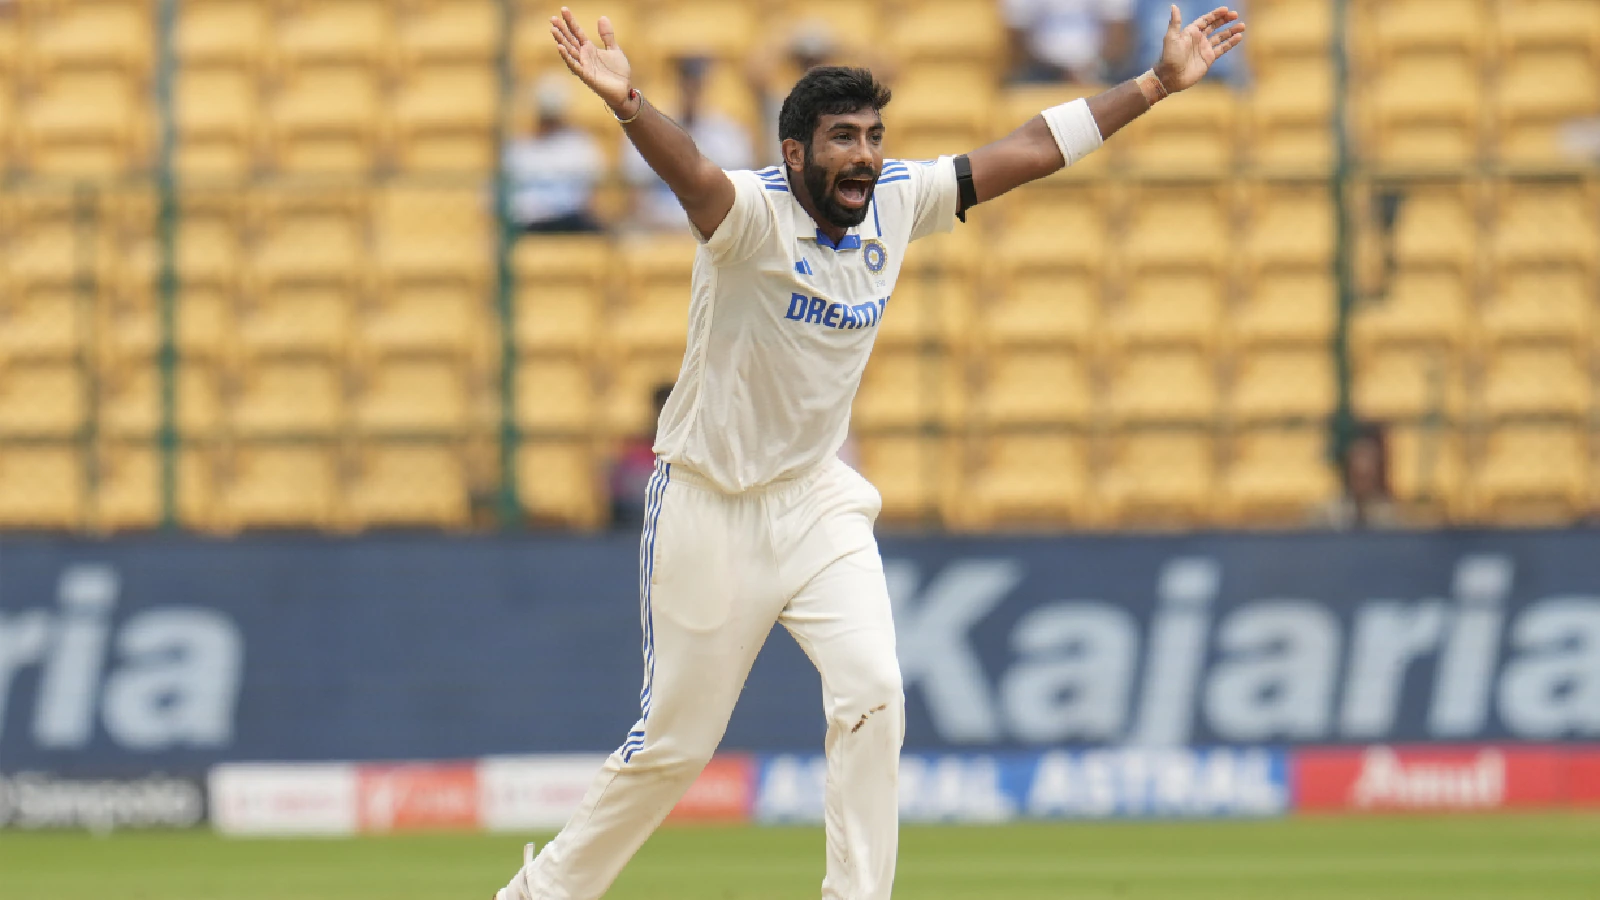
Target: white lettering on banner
931, 633
313, 798
1388, 781
174, 680
1553, 690
953, 789
36, 801
1276, 670
1073, 675
1279, 680
534, 792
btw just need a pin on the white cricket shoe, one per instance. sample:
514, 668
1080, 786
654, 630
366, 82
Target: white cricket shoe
518, 888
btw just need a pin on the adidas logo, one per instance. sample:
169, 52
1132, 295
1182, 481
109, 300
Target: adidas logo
804, 267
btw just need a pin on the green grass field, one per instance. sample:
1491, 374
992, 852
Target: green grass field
1548, 857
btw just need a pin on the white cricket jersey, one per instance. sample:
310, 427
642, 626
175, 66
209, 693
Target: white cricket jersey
781, 322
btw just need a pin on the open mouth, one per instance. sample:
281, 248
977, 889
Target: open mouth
853, 192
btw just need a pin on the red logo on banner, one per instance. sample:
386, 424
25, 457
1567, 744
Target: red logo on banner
1428, 778
724, 792
418, 797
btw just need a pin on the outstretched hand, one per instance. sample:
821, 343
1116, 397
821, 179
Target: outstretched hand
1188, 53
602, 67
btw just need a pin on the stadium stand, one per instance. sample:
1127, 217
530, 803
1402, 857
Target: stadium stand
1149, 338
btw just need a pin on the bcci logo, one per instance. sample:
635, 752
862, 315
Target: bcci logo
875, 255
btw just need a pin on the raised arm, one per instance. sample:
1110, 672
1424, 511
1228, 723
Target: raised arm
1036, 149
700, 185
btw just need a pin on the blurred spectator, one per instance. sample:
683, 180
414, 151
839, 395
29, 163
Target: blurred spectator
554, 171
631, 470
1083, 41
1365, 502
722, 140
1150, 20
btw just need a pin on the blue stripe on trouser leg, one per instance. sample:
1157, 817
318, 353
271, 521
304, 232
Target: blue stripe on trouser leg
647, 558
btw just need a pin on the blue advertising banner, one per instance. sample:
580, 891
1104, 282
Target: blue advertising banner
158, 654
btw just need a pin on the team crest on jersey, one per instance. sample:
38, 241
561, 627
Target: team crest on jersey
875, 254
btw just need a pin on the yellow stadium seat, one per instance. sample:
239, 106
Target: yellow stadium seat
1278, 385
1549, 24
424, 321
1032, 387
433, 233
408, 485
632, 384
918, 476
1426, 307
55, 257
327, 254
1034, 478
1034, 234
130, 401
1168, 309
40, 327
445, 120
928, 310
326, 122
118, 37
1287, 308
223, 33
296, 321
1178, 228
946, 31
1278, 476
1426, 112
85, 125
1533, 473
411, 396
1165, 386
721, 28
1540, 306
555, 395
1547, 226
8, 126
217, 123
41, 487
451, 32
539, 260
934, 98
128, 494
279, 397
1539, 94
1194, 135
203, 322
1162, 478
1409, 383
279, 486
1291, 115
336, 32
563, 318
558, 482
907, 389
1042, 308
657, 272
1435, 229
1288, 28
1536, 381
1292, 228
1409, 26
207, 245
1426, 468
45, 399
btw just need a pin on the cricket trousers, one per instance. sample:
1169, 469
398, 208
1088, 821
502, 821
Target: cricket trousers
716, 572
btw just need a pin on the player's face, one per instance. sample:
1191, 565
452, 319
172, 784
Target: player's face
842, 163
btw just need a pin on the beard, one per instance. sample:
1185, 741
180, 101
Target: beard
824, 198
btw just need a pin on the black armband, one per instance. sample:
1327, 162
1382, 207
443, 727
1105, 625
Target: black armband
966, 194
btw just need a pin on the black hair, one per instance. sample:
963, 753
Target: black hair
828, 91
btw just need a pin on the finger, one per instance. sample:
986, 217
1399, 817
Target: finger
1211, 19
572, 22
1221, 35
1229, 44
568, 57
564, 30
562, 38
608, 35
1175, 24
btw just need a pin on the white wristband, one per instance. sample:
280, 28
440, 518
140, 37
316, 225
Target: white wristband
1074, 128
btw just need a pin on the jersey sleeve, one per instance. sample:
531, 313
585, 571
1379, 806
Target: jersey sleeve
748, 224
933, 196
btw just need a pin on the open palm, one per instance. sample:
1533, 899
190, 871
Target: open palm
1187, 53
602, 67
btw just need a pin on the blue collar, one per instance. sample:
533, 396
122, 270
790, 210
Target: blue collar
848, 242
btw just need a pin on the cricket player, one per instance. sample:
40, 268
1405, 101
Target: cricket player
751, 518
